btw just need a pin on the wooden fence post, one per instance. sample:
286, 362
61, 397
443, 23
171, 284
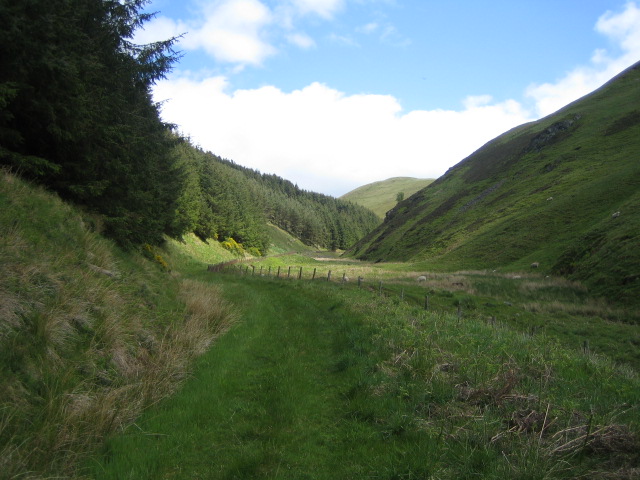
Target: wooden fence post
426, 302
289, 273
253, 270
344, 277
269, 274
359, 282
300, 274
278, 272
261, 270
329, 276
314, 274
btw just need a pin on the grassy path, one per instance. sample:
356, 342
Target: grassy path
272, 399
320, 382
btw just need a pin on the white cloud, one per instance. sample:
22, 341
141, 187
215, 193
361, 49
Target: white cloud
233, 31
368, 28
323, 8
325, 140
301, 40
160, 28
623, 28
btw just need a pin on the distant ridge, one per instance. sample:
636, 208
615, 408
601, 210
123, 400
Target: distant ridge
562, 192
380, 197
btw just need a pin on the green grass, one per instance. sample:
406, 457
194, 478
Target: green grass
315, 380
318, 381
282, 242
532, 303
89, 335
380, 197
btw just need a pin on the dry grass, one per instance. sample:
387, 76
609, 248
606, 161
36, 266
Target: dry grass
83, 352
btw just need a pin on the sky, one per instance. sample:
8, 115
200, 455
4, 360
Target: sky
336, 94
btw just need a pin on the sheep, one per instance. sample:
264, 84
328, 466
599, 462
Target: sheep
535, 264
615, 215
422, 278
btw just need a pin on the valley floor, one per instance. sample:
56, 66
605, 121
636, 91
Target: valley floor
319, 382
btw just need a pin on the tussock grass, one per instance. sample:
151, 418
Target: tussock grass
89, 336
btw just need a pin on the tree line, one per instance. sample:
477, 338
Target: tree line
77, 115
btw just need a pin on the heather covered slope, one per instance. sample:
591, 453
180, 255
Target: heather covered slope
544, 192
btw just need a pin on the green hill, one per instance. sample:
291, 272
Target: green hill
380, 197
547, 192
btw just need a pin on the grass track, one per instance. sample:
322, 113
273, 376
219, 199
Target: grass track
318, 382
269, 401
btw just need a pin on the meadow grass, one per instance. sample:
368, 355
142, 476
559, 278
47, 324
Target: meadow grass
321, 382
531, 302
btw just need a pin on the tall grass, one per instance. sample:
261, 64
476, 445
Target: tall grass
89, 335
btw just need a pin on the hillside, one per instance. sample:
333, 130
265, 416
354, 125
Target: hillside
380, 197
547, 192
90, 335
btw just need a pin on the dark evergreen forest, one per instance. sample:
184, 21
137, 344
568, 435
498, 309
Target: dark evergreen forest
77, 115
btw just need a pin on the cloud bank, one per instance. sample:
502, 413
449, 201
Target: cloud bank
327, 141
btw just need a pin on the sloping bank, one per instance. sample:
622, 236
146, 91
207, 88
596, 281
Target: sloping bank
90, 336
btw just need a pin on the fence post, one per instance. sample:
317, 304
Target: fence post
402, 294
300, 274
269, 274
289, 273
585, 347
329, 276
314, 274
344, 277
278, 272
359, 281
426, 302
261, 270
380, 288
253, 270
459, 312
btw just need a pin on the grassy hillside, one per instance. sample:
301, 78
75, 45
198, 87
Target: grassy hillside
380, 197
89, 335
544, 192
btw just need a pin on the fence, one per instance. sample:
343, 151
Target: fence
298, 273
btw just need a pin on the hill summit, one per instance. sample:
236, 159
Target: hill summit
382, 196
561, 194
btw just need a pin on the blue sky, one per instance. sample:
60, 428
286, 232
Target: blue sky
334, 94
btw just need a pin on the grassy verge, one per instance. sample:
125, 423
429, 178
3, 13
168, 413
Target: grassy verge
89, 335
318, 381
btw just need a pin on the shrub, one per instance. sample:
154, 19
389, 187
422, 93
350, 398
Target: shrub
233, 246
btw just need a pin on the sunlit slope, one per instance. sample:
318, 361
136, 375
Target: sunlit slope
380, 197
544, 192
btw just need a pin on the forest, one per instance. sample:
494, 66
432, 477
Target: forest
77, 116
